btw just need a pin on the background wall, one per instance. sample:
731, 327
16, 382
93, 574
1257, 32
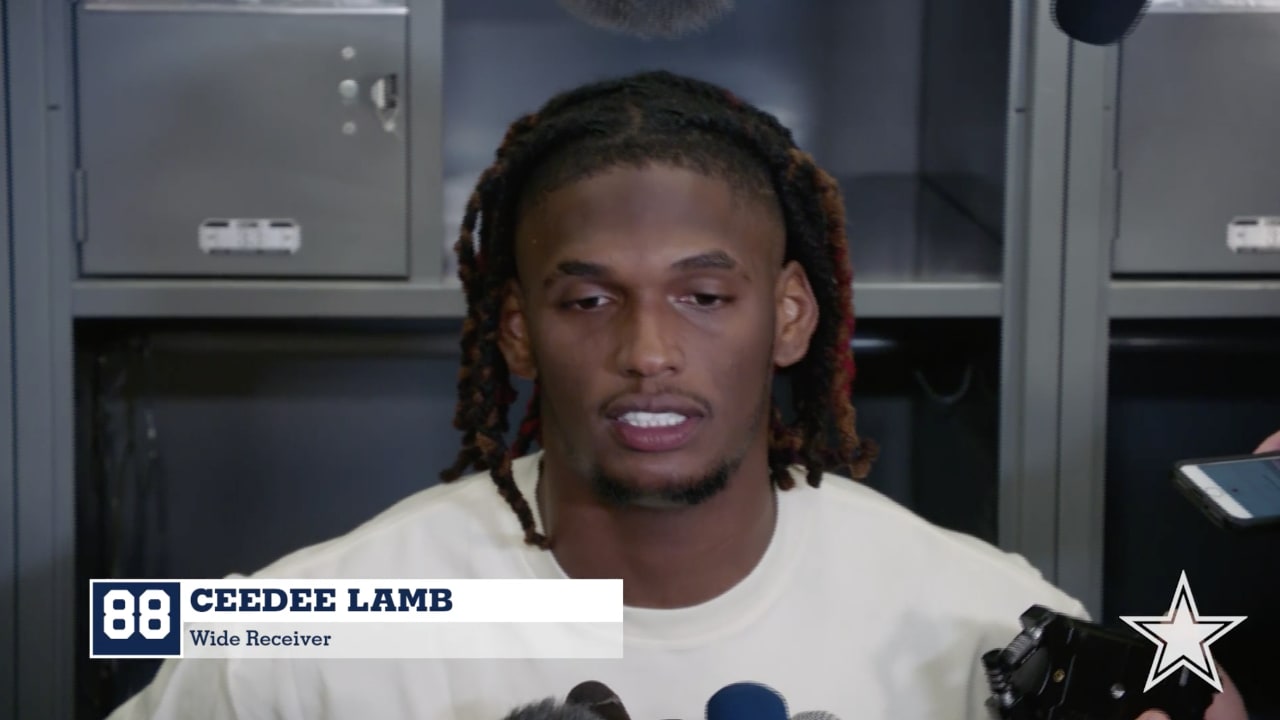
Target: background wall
1022, 391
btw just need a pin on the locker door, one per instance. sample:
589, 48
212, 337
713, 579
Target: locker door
236, 140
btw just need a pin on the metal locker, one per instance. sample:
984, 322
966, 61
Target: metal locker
1197, 150
261, 139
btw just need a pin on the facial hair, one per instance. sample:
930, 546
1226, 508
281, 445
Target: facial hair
687, 492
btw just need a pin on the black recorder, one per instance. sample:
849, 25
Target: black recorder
1063, 668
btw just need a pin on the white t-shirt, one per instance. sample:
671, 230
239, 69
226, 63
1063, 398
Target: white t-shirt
859, 608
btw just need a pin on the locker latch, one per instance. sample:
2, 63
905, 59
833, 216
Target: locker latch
385, 94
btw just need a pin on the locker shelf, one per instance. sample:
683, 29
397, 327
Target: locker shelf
302, 299
1138, 299
915, 255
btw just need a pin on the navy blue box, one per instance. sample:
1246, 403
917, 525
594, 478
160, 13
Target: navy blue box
136, 619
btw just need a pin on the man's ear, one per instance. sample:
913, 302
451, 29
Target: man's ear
513, 333
797, 315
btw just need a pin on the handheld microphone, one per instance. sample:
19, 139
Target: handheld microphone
549, 709
1098, 22
746, 701
599, 699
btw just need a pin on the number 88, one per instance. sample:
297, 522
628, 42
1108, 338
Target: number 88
153, 615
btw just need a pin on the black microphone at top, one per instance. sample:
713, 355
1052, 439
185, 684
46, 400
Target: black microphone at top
549, 709
599, 699
590, 700
1098, 22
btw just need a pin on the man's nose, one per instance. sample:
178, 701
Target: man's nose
647, 346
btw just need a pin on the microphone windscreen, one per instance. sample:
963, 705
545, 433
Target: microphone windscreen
549, 709
746, 701
647, 19
1098, 22
597, 697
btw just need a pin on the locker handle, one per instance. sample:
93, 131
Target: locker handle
385, 94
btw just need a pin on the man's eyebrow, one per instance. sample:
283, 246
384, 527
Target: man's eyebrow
714, 260
576, 268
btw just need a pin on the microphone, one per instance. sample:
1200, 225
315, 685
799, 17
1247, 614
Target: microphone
746, 701
549, 709
1098, 22
814, 715
647, 19
599, 699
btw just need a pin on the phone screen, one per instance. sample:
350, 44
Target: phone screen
1254, 484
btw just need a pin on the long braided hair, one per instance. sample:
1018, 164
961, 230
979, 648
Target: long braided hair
657, 117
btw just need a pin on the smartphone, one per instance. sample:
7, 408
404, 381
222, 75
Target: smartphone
1240, 492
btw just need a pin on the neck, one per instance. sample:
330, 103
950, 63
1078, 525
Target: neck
666, 558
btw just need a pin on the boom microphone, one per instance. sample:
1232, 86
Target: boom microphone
1098, 22
549, 709
648, 19
599, 699
746, 701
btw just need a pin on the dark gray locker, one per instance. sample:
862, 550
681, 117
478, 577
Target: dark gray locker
869, 88
238, 140
1197, 142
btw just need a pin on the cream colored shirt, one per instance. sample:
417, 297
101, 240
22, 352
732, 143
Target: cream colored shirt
859, 608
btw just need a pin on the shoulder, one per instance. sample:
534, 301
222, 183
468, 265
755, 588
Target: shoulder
438, 530
968, 574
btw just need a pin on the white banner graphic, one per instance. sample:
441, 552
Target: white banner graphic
365, 619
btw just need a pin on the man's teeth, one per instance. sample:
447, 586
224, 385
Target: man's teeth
647, 419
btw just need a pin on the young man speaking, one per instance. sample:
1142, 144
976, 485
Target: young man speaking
651, 252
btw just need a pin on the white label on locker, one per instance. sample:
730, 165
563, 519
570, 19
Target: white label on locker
239, 235
1254, 234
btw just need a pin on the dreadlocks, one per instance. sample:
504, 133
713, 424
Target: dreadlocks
657, 117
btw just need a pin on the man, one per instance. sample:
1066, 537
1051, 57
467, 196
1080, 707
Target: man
651, 252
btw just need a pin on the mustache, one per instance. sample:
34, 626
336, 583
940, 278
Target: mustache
701, 402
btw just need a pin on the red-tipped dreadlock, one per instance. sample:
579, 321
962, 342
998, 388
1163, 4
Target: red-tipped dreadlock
657, 117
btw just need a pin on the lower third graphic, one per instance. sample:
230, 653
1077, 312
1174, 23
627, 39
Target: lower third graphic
136, 619
1182, 637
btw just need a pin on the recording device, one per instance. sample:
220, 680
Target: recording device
1098, 22
1239, 492
746, 701
599, 699
590, 700
648, 19
1063, 668
549, 709
755, 701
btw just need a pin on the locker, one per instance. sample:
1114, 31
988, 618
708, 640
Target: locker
242, 140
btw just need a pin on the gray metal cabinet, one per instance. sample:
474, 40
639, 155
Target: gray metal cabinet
1198, 144
243, 140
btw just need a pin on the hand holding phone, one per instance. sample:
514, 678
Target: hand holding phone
1271, 444
1241, 492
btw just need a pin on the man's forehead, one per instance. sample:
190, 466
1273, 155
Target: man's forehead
660, 205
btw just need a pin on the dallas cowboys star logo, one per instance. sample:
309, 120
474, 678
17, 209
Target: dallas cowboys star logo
1182, 638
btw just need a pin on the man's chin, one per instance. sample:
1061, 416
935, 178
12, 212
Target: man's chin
667, 492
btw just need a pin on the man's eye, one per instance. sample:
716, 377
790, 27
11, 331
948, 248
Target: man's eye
706, 299
587, 303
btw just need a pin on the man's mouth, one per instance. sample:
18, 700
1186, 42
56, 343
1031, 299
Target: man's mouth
654, 432
652, 419
654, 423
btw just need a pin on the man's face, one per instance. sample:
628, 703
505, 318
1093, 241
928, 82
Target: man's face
652, 308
